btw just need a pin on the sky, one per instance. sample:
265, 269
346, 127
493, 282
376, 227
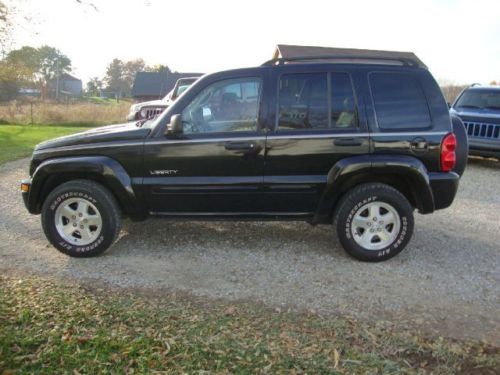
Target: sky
458, 40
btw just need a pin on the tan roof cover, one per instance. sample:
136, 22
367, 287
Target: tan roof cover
286, 50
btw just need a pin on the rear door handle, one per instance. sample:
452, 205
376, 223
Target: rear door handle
419, 144
347, 142
239, 146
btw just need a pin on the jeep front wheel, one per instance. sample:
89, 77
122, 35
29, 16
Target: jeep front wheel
374, 222
81, 218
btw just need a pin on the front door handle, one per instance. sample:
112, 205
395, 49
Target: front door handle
239, 146
347, 142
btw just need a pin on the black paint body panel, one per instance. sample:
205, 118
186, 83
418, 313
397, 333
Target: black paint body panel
285, 175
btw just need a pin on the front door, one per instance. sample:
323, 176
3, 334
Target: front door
216, 166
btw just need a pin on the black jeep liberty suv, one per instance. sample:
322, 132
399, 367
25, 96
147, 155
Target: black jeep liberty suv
358, 141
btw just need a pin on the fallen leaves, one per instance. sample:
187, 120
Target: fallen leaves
65, 328
230, 311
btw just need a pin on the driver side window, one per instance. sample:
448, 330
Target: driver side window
224, 106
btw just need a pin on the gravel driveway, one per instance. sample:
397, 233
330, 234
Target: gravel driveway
446, 281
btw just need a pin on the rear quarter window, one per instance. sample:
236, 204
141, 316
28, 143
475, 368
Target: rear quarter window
399, 101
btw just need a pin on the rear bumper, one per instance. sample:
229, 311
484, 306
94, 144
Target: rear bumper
444, 187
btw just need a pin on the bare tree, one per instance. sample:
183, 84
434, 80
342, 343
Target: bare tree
5, 26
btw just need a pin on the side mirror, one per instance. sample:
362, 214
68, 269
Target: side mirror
175, 126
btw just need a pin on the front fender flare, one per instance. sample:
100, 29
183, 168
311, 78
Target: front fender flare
108, 171
348, 172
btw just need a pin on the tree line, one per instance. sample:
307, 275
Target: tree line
120, 76
38, 68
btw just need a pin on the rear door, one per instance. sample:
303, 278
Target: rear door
409, 115
317, 122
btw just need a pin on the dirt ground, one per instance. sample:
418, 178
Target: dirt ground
446, 282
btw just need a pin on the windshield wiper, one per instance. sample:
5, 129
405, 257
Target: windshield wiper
141, 123
468, 106
492, 107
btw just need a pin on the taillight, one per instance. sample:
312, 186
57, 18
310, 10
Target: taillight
448, 157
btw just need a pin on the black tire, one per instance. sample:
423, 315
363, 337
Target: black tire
462, 150
97, 195
353, 201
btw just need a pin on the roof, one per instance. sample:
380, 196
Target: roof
157, 83
65, 77
69, 77
483, 87
293, 51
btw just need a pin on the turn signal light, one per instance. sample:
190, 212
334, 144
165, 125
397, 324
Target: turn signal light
448, 156
25, 188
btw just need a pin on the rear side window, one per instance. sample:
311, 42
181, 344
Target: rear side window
399, 101
344, 113
303, 101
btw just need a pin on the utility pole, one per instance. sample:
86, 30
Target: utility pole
57, 79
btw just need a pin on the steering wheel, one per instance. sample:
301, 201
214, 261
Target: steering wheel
196, 124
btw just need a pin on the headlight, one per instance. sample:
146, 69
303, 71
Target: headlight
133, 108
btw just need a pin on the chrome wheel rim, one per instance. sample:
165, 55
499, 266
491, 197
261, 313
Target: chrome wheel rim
375, 225
78, 221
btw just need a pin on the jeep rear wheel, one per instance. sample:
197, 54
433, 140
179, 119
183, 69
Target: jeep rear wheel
374, 222
81, 218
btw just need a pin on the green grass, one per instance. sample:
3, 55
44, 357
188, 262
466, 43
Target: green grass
17, 141
49, 326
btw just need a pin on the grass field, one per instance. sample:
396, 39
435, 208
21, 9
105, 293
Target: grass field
91, 111
48, 326
17, 141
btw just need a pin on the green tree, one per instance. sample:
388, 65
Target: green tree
12, 78
160, 68
39, 65
18, 69
52, 63
130, 70
94, 86
27, 58
115, 77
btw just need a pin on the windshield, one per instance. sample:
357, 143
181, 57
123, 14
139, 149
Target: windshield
168, 96
181, 89
482, 99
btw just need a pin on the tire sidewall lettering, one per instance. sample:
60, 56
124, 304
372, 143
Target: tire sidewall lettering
400, 237
53, 206
63, 196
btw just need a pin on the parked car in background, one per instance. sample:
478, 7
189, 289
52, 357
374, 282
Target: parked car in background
479, 108
146, 110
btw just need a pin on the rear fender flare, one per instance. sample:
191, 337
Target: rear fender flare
351, 171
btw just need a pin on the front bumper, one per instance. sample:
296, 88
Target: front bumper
484, 147
25, 191
444, 187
